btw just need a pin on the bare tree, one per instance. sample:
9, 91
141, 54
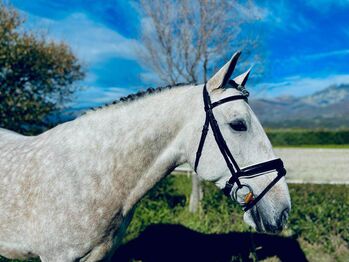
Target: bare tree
181, 37
184, 38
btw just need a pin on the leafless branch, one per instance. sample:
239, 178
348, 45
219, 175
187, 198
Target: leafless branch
182, 38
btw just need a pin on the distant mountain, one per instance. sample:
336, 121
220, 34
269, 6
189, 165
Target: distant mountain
328, 108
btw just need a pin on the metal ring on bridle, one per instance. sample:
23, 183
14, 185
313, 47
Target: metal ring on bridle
234, 193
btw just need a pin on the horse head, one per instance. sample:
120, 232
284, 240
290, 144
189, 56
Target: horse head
235, 152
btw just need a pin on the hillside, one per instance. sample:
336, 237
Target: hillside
328, 108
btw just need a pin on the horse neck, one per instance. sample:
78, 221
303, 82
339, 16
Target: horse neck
136, 143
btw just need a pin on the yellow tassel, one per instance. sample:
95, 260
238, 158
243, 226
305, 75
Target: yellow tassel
248, 198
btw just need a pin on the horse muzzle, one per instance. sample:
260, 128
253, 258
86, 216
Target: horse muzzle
263, 221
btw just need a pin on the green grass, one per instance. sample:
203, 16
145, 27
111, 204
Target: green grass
331, 146
319, 214
301, 137
319, 218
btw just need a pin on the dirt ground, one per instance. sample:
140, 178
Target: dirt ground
315, 165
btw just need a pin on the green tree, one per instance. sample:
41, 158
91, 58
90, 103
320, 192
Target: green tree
37, 76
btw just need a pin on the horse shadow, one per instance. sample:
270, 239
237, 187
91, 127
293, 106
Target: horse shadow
166, 242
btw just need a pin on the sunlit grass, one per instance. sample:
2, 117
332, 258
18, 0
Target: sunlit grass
319, 218
316, 146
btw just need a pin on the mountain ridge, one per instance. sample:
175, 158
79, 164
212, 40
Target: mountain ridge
327, 108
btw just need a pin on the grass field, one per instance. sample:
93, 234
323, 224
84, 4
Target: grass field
300, 137
319, 219
342, 146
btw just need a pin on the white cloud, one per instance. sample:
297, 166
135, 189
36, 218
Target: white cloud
280, 15
325, 5
299, 86
328, 54
151, 78
251, 10
94, 96
91, 41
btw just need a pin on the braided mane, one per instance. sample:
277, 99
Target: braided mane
139, 94
151, 90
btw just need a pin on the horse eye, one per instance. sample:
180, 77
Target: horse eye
238, 125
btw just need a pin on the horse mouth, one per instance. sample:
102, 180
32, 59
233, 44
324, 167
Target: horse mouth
254, 219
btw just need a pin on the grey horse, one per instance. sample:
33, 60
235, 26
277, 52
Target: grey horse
68, 194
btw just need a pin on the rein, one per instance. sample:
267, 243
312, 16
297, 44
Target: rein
236, 172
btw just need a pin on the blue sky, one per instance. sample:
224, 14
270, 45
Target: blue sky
306, 42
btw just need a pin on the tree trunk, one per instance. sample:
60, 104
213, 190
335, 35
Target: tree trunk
196, 194
196, 190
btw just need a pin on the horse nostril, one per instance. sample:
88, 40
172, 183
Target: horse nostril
280, 222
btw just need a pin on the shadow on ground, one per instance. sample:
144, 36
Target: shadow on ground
165, 242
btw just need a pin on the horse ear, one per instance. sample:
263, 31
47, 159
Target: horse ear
242, 79
221, 78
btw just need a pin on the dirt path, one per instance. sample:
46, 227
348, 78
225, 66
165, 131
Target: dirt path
310, 165
315, 165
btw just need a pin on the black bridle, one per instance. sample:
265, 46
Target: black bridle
236, 172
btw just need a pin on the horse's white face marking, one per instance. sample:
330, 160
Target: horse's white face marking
67, 192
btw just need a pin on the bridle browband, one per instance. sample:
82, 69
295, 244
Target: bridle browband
236, 172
